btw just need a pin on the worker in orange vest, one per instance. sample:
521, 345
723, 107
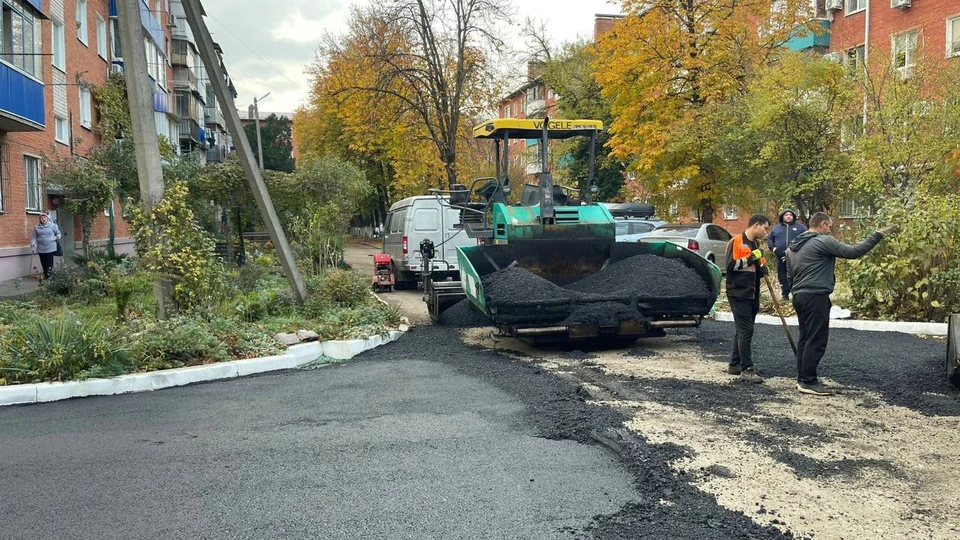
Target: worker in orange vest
746, 267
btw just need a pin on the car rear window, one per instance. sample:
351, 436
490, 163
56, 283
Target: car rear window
623, 228
426, 219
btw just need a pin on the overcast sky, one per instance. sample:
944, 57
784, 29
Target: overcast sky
267, 46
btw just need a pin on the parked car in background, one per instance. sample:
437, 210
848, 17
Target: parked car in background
632, 230
707, 239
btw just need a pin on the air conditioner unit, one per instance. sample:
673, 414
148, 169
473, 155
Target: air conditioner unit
171, 20
834, 57
834, 4
900, 4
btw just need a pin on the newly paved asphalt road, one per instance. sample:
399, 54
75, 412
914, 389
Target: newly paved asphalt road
374, 448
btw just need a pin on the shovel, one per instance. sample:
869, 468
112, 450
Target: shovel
783, 321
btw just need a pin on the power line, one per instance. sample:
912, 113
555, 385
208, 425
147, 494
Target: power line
252, 51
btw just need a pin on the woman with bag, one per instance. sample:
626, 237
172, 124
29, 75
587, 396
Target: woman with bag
46, 243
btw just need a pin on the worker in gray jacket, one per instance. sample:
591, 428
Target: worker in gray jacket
811, 258
44, 242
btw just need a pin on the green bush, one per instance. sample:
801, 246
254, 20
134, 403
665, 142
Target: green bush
345, 288
245, 340
178, 342
354, 323
62, 350
914, 274
16, 311
123, 286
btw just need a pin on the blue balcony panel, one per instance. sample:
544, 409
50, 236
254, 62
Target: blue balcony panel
147, 19
22, 106
802, 40
161, 101
37, 4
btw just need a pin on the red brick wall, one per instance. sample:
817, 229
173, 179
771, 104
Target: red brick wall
83, 65
927, 16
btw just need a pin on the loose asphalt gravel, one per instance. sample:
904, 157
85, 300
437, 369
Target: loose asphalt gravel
644, 275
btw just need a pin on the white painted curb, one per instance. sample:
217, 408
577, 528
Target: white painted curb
296, 356
929, 329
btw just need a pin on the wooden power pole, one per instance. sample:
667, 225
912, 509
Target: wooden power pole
146, 142
194, 13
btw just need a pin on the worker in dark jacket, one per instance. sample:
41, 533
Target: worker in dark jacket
746, 266
780, 237
811, 258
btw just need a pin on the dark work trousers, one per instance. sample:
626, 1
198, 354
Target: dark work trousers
782, 277
813, 312
46, 261
744, 317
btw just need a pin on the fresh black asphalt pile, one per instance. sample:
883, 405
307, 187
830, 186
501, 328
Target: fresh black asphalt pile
515, 284
645, 275
463, 315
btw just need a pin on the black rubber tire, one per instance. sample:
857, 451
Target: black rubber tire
952, 363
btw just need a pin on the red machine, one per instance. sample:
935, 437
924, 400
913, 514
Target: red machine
383, 278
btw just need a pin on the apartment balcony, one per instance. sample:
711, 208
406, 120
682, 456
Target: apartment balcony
190, 129
809, 40
536, 108
532, 168
214, 117
161, 101
179, 60
184, 79
150, 23
217, 154
22, 106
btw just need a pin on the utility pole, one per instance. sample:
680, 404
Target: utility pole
194, 13
146, 142
256, 120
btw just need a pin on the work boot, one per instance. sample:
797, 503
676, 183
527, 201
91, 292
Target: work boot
750, 376
814, 389
733, 369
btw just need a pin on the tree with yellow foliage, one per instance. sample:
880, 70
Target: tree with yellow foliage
668, 68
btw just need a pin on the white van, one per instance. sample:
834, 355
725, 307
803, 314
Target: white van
410, 221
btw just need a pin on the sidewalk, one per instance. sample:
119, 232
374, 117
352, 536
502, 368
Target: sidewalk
18, 287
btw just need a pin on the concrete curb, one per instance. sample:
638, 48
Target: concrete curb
296, 356
929, 329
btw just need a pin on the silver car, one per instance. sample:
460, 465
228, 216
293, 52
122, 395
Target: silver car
707, 239
632, 230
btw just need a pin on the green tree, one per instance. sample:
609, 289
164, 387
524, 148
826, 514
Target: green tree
276, 134
87, 190
668, 69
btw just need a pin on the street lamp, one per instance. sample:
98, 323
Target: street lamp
256, 119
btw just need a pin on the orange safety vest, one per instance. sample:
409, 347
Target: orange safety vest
740, 252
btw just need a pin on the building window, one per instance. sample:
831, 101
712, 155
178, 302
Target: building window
853, 59
731, 213
116, 52
31, 168
62, 130
854, 6
82, 21
21, 39
59, 46
904, 49
3, 177
101, 37
953, 36
85, 108
852, 208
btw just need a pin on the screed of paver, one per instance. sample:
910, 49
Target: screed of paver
847, 466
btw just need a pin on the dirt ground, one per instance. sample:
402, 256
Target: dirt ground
877, 460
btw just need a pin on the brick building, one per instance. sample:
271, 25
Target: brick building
532, 99
53, 53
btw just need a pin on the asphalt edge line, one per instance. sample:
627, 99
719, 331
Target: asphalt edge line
296, 356
924, 328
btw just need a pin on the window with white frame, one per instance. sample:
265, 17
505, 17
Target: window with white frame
853, 59
852, 208
59, 46
31, 170
904, 51
854, 6
86, 119
101, 37
3, 177
953, 36
731, 212
82, 21
21, 38
61, 129
116, 52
